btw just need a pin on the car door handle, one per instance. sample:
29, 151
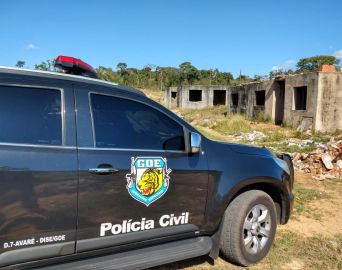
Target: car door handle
103, 170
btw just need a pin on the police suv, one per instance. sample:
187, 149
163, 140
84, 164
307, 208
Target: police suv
95, 175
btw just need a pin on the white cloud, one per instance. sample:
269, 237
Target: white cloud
289, 62
338, 54
286, 65
31, 46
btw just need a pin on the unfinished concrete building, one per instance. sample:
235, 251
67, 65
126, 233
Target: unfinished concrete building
196, 96
306, 101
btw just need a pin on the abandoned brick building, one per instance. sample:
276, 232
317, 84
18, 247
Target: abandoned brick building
307, 101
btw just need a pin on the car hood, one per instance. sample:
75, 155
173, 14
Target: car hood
249, 150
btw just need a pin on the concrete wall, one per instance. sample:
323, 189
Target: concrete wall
247, 98
329, 105
169, 101
186, 103
183, 93
304, 118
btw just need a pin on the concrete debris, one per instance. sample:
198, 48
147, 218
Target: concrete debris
299, 143
251, 136
339, 164
326, 159
323, 163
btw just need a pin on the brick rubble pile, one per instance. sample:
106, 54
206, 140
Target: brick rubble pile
323, 163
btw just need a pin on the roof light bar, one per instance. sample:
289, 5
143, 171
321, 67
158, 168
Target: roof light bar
71, 65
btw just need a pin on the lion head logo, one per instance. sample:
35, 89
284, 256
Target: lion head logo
150, 182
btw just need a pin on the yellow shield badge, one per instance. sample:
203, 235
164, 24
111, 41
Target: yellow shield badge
149, 179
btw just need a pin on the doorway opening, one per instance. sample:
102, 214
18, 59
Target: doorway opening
279, 101
235, 99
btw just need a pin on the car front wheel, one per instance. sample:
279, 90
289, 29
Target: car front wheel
249, 227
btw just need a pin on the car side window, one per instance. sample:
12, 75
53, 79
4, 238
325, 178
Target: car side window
123, 123
30, 116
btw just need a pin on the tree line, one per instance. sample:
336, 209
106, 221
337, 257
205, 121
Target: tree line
156, 77
162, 77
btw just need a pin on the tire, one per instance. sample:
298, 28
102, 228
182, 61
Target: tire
250, 218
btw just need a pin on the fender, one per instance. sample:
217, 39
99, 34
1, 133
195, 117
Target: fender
216, 208
232, 172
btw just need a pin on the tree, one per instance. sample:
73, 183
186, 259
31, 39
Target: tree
243, 78
48, 65
258, 77
20, 63
276, 72
156, 77
314, 62
189, 72
107, 74
121, 67
224, 77
167, 76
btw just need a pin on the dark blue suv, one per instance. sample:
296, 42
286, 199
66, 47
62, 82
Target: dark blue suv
95, 175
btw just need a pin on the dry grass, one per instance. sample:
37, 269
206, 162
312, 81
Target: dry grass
289, 251
217, 125
156, 95
303, 196
233, 124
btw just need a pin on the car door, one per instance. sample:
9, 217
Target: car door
137, 179
38, 171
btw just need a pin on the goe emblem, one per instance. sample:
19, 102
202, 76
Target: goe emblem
149, 179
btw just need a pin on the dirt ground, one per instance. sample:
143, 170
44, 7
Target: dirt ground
311, 240
323, 216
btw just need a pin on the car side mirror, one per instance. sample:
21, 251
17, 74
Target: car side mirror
195, 142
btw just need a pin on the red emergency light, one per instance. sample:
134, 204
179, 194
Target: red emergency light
71, 65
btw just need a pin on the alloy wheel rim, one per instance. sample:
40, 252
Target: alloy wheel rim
256, 228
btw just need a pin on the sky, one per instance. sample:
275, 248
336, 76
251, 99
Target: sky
247, 36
